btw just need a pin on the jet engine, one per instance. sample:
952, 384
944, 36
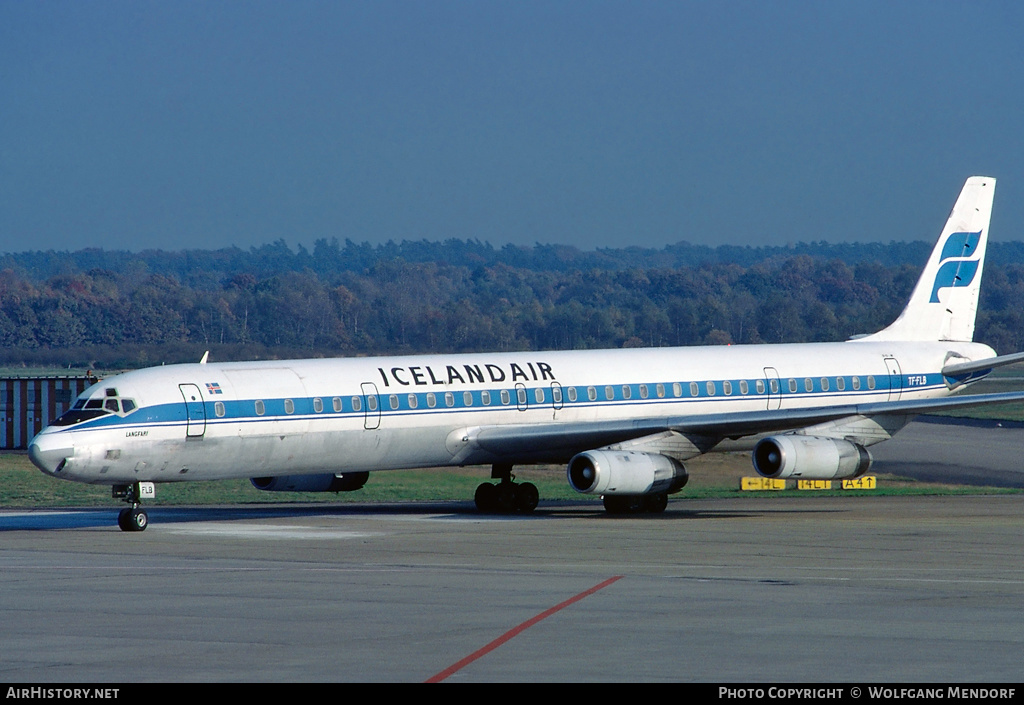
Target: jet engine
614, 472
810, 458
348, 482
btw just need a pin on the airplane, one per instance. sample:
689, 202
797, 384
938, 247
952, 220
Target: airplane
623, 421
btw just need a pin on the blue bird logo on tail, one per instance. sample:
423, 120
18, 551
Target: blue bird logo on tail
959, 265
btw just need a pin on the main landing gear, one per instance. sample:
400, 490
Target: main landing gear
636, 504
506, 497
133, 518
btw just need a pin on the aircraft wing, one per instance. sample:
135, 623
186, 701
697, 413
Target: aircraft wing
560, 441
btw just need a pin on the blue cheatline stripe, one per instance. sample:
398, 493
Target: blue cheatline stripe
244, 411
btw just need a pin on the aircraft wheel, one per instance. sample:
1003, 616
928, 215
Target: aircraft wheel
506, 496
656, 503
616, 504
132, 519
139, 519
635, 503
527, 497
486, 497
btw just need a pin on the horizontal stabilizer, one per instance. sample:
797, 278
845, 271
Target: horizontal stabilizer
960, 369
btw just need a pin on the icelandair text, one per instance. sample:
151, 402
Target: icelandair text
425, 375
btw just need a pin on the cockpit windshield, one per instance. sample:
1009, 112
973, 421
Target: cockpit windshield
88, 408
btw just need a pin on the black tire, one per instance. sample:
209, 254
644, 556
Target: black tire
656, 503
527, 497
506, 497
632, 503
486, 497
616, 504
123, 521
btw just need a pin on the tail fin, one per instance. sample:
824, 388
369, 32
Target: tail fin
945, 300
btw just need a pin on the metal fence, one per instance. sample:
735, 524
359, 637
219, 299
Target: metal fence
29, 404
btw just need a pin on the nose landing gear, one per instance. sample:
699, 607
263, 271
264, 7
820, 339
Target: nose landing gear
133, 518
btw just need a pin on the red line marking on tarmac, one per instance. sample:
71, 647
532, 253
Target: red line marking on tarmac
459, 665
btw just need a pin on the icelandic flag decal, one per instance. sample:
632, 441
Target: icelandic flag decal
214, 388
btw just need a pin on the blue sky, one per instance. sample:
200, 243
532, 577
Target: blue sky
187, 124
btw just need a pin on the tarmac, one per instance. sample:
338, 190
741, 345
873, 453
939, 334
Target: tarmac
809, 589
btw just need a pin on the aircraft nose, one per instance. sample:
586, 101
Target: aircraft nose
49, 452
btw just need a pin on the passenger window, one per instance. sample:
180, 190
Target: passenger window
808, 384
336, 403
627, 391
218, 408
711, 388
727, 388
694, 389
609, 393
393, 399
412, 401
431, 400
521, 395
855, 383
318, 404
449, 399
591, 394
643, 391
744, 387
871, 381
467, 398
824, 384
556, 395
371, 402
759, 386
289, 406
774, 386
840, 383
357, 403
677, 389
572, 393
792, 385
538, 394
660, 391
260, 408
485, 398
506, 398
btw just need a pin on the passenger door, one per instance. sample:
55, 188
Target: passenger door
195, 410
371, 405
771, 378
895, 378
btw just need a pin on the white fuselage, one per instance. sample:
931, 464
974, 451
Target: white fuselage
232, 420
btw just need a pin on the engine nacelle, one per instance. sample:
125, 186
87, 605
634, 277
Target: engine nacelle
810, 458
348, 482
615, 472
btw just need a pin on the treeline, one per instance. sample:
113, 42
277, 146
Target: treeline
117, 309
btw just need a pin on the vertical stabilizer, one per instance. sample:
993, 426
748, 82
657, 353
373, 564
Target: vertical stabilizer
945, 300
